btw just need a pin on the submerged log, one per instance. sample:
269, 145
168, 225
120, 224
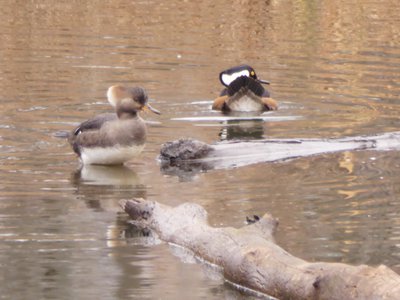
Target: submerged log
249, 256
192, 155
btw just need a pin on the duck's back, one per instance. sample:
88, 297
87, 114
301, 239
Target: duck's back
109, 140
244, 94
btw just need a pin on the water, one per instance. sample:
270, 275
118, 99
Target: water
333, 66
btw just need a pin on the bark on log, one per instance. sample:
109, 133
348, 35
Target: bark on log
249, 256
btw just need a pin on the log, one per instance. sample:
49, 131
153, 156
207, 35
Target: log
249, 256
192, 155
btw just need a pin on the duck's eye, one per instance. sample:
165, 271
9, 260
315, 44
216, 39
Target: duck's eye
252, 73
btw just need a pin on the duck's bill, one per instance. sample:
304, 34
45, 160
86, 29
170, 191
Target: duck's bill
263, 81
152, 109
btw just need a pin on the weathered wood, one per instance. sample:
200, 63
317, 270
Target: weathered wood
191, 154
249, 256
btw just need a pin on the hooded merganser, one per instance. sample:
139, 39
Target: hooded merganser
113, 138
243, 91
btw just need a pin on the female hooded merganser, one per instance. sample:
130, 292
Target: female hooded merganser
113, 138
243, 91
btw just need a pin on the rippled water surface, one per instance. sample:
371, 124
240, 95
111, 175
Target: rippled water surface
334, 68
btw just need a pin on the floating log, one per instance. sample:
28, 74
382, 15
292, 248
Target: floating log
191, 154
249, 256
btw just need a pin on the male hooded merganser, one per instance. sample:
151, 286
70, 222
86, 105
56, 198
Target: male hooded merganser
113, 138
243, 91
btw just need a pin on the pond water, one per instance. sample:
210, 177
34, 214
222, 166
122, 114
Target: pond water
334, 69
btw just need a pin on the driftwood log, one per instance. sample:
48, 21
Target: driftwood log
249, 256
193, 155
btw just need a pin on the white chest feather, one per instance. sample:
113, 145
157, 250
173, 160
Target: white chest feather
110, 155
245, 104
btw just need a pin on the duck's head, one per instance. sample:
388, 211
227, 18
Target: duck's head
229, 75
129, 99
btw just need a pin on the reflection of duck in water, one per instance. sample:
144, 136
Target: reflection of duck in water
98, 186
242, 130
243, 91
118, 175
113, 138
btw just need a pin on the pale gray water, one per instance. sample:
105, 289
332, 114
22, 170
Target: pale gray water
334, 69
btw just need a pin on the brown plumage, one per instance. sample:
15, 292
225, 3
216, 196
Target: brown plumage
223, 103
113, 138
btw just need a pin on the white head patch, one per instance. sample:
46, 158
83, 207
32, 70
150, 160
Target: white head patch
228, 78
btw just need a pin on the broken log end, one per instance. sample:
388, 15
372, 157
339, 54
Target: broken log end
138, 208
182, 150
